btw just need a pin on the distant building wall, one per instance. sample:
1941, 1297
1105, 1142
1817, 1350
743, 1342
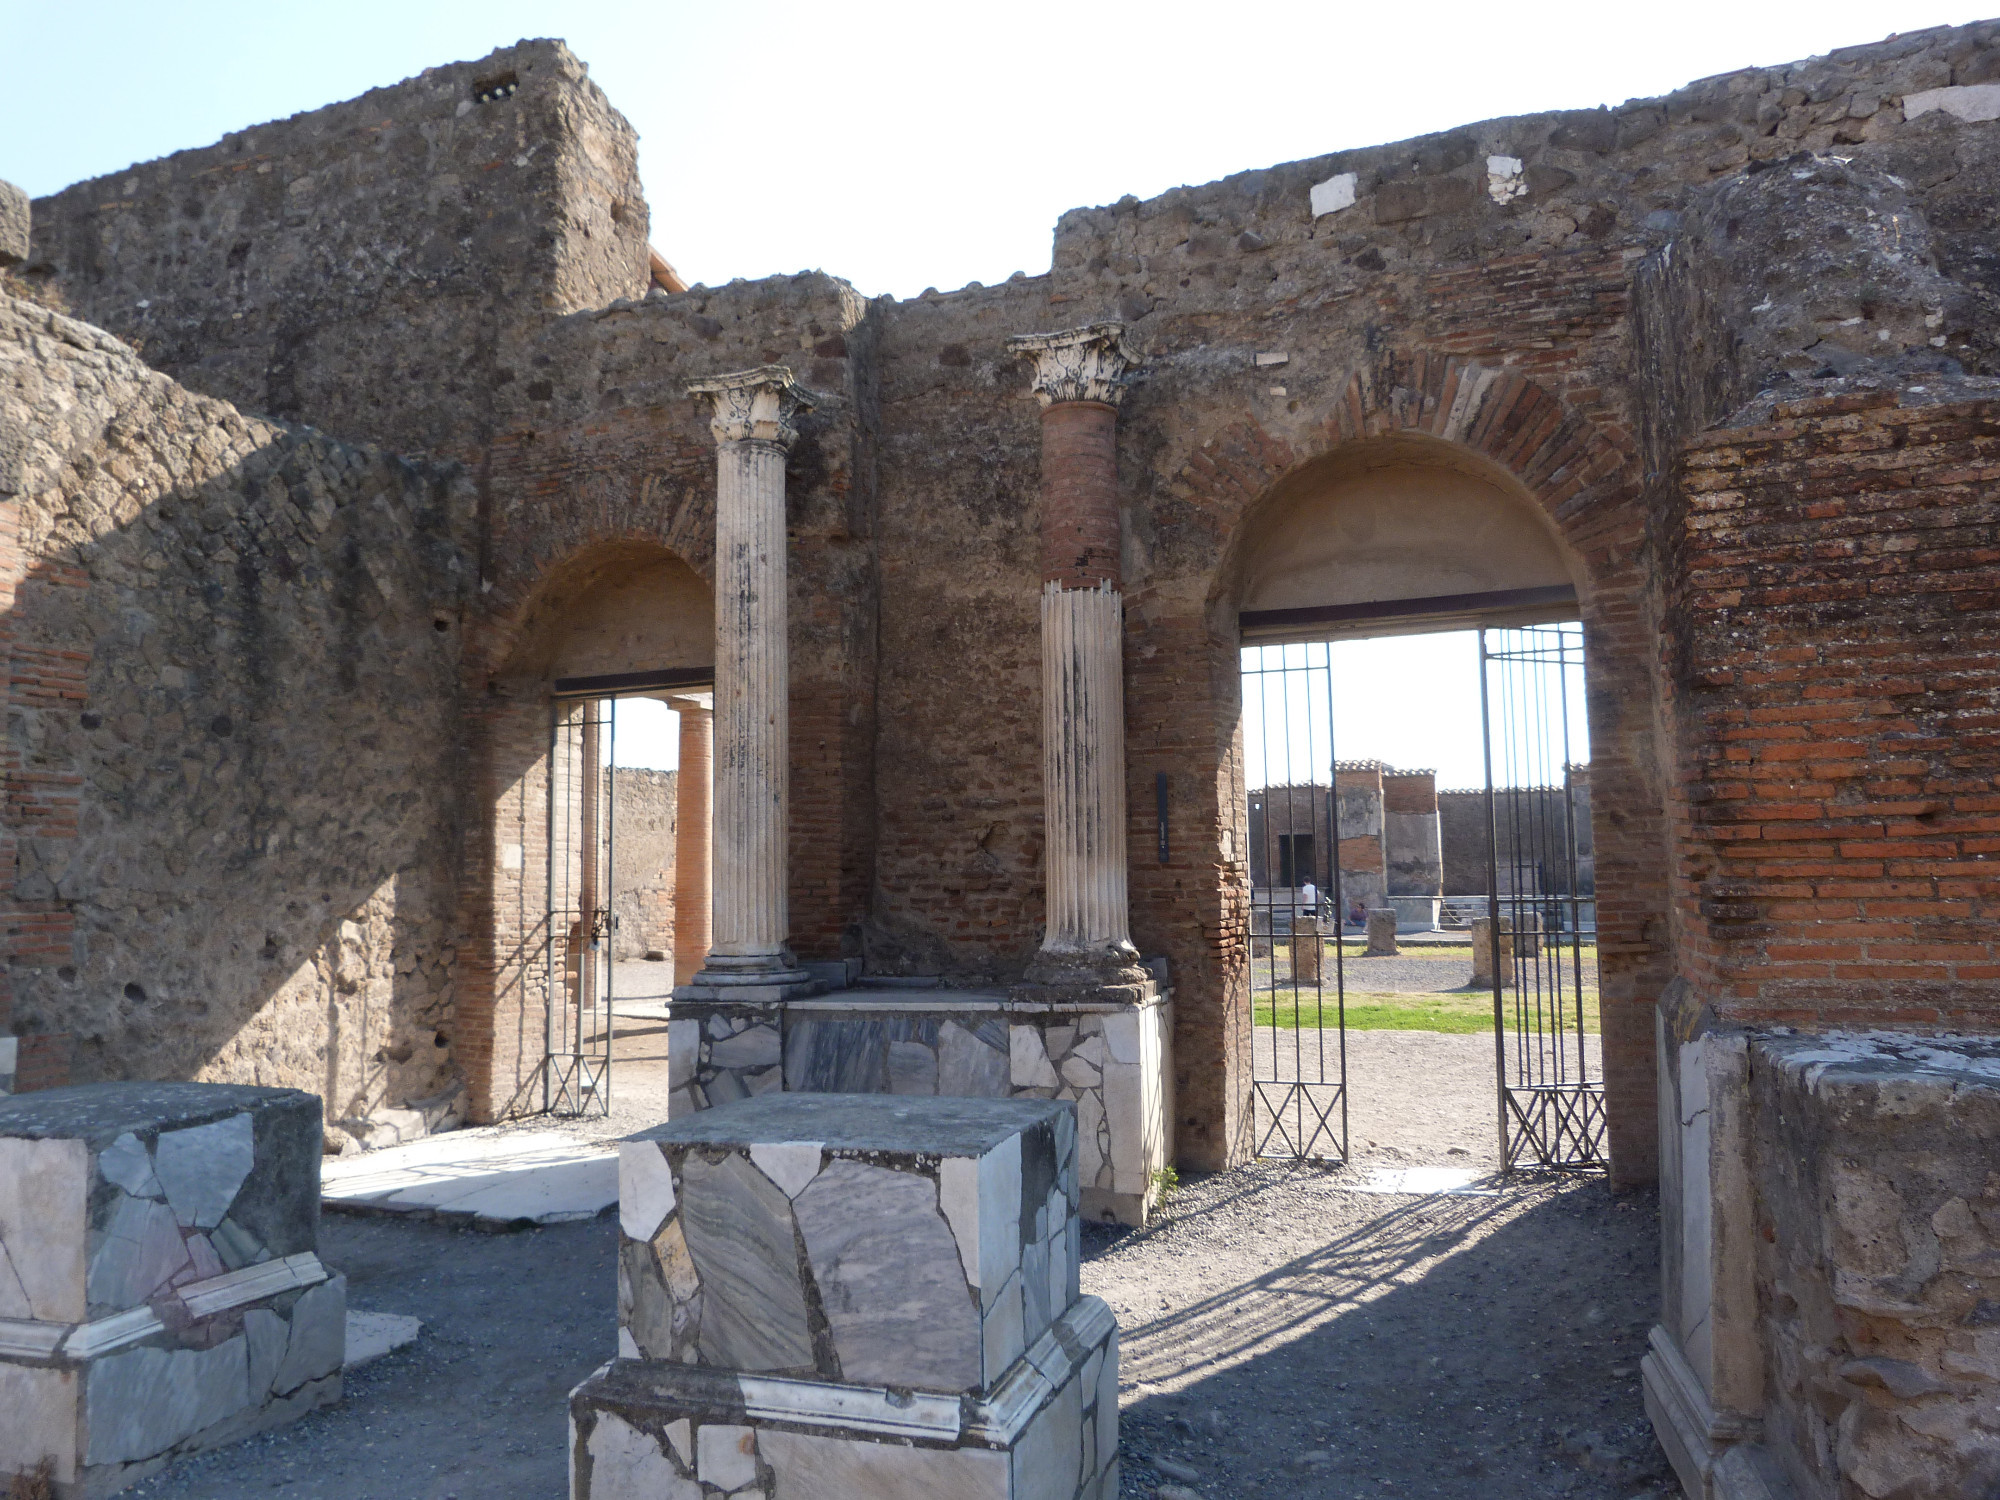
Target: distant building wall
642, 861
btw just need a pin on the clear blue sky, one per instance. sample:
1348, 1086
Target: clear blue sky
907, 145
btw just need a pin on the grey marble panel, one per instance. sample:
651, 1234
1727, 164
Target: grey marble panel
139, 1251
143, 1402
973, 1064
890, 1279
913, 1068
756, 1047
266, 1335
127, 1163
645, 1308
810, 1467
836, 1057
739, 1232
237, 1246
318, 1343
202, 1167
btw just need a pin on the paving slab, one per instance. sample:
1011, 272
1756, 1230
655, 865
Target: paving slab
490, 1181
370, 1335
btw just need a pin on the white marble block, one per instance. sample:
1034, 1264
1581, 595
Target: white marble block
890, 1280
160, 1290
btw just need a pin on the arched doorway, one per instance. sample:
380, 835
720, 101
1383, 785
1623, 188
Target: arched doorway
617, 622
1453, 967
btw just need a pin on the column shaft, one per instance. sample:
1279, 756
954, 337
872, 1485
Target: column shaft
692, 831
752, 679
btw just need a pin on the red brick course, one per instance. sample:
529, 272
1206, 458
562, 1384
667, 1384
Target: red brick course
1837, 641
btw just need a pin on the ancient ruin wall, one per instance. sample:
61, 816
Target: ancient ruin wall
375, 267
642, 862
232, 732
1837, 638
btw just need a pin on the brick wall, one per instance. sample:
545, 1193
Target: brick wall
1837, 642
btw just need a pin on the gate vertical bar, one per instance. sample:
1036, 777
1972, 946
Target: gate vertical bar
556, 713
1493, 903
611, 904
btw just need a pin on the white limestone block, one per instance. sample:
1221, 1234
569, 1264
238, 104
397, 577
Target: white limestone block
626, 1464
1331, 196
680, 1432
203, 1167
811, 1467
645, 1189
1503, 179
40, 1403
726, 1454
1028, 1059
683, 1052
1123, 1036
790, 1164
981, 1200
1004, 1333
43, 1189
628, 1347
1970, 102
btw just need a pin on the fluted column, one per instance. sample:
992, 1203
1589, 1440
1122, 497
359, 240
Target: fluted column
692, 831
754, 412
1080, 379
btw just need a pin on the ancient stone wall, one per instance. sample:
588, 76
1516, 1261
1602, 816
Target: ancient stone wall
1878, 1261
378, 267
642, 861
1835, 646
232, 732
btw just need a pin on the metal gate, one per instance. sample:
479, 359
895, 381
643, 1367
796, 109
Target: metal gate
1297, 980
1541, 903
576, 1077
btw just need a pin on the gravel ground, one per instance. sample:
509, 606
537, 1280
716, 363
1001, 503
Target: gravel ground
1285, 1337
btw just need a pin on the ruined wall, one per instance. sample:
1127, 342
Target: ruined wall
377, 267
642, 861
232, 732
1836, 646
1878, 1261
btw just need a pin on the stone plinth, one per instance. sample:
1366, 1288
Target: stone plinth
160, 1290
1381, 933
1482, 952
1308, 951
857, 1296
1831, 1261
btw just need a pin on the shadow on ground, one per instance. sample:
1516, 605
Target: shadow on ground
1283, 1336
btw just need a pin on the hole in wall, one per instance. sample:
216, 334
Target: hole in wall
500, 86
135, 991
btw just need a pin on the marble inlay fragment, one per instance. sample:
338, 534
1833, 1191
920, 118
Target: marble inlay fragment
626, 1461
140, 1251
126, 1163
143, 1402
202, 1168
739, 1231
645, 1189
889, 1278
790, 1164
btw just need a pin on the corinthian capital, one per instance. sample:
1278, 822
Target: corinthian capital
1078, 364
761, 404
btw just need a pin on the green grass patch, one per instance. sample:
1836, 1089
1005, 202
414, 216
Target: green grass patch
1461, 1012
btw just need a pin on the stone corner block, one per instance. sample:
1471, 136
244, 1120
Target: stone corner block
160, 1286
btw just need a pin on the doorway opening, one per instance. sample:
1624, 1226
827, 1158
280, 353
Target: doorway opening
1423, 930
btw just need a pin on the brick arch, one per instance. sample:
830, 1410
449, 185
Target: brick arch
1572, 453
1575, 464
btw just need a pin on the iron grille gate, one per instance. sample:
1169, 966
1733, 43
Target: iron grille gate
576, 1076
1540, 902
1298, 1008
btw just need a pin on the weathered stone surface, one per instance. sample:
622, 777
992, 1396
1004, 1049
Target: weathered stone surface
13, 225
202, 1168
627, 1462
42, 1188
889, 1277
823, 1468
145, 1401
740, 1235
318, 1337
973, 1063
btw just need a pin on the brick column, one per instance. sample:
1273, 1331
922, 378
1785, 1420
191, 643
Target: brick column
750, 958
692, 932
1079, 379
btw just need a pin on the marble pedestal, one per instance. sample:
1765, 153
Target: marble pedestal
852, 1298
1112, 1057
160, 1290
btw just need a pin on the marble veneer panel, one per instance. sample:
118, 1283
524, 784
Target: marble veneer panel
160, 1288
921, 1243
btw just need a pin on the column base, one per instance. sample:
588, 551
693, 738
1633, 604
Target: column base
1087, 974
761, 979
640, 1429
1716, 1456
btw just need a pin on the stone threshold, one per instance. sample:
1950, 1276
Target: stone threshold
918, 1002
33, 1339
996, 1420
